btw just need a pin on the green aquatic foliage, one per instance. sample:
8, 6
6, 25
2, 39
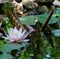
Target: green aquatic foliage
8, 47
56, 32
6, 56
31, 20
39, 47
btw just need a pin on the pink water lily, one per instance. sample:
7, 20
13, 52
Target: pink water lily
15, 35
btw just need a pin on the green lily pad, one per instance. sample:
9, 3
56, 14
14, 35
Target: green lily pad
42, 19
57, 15
56, 32
57, 10
5, 56
11, 46
31, 20
27, 20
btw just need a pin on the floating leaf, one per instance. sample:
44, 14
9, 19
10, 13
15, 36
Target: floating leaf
27, 20
57, 15
30, 20
57, 11
56, 32
11, 46
42, 18
5, 56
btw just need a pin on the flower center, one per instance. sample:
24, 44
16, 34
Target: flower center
15, 33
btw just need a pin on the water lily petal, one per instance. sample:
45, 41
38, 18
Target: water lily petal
11, 40
31, 29
15, 35
4, 37
15, 30
25, 35
22, 34
10, 31
25, 40
20, 30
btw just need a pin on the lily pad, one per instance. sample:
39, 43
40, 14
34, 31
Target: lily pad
57, 15
5, 56
27, 20
42, 18
31, 20
56, 32
11, 46
57, 10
